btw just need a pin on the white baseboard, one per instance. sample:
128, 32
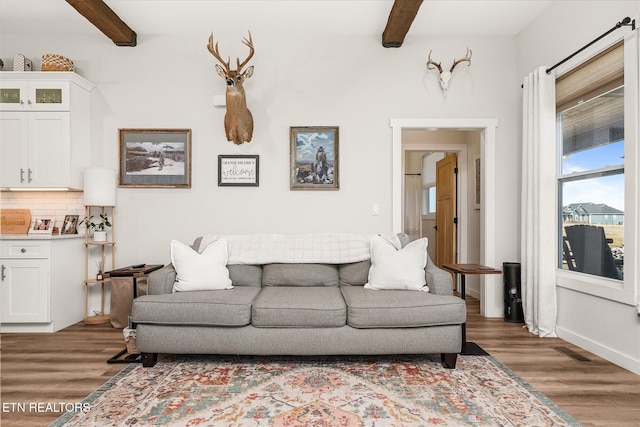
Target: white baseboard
473, 293
607, 353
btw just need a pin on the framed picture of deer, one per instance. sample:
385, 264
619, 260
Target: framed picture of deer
155, 158
314, 158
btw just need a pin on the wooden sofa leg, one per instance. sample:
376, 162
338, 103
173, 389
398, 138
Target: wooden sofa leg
449, 360
149, 359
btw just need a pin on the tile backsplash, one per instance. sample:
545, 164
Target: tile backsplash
54, 204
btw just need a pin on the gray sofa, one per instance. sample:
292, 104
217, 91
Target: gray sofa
299, 309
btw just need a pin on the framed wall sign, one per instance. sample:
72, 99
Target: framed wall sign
314, 158
238, 171
155, 158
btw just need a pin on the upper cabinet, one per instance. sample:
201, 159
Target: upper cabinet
42, 91
44, 129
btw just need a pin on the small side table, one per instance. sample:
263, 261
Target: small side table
469, 348
121, 311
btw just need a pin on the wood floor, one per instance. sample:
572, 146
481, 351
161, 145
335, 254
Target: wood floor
67, 366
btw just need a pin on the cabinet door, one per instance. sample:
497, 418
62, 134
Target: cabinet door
49, 149
14, 129
48, 96
13, 95
25, 290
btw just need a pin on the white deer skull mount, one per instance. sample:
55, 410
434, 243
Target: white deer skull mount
445, 76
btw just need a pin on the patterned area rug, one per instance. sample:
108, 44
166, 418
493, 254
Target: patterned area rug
332, 391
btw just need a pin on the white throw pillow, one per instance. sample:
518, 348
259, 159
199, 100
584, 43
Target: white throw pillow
200, 271
397, 269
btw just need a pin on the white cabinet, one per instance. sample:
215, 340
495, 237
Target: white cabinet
36, 149
44, 129
25, 291
39, 280
32, 91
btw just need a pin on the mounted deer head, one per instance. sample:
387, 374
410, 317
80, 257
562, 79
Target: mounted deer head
445, 76
238, 121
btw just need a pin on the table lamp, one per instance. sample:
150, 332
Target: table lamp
99, 186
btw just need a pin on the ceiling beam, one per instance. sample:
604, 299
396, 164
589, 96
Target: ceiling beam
400, 19
106, 20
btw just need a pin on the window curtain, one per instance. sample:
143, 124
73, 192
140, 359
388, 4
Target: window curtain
412, 205
538, 234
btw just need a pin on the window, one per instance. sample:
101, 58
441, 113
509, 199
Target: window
429, 200
591, 193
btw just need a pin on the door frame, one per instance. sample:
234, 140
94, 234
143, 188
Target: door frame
491, 304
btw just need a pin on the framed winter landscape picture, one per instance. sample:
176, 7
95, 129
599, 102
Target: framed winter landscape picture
314, 158
155, 158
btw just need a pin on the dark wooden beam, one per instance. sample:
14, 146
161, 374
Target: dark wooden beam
106, 20
400, 19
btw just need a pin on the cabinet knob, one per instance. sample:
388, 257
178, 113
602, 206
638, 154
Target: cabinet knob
23, 250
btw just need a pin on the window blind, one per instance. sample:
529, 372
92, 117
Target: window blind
597, 76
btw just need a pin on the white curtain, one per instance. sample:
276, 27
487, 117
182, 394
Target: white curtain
539, 203
412, 205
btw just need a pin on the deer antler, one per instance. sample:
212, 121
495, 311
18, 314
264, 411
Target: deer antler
434, 64
216, 53
467, 58
249, 44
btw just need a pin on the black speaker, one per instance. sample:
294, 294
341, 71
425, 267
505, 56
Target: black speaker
512, 292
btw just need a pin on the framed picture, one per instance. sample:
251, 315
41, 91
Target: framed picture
155, 158
42, 226
70, 225
238, 171
314, 158
476, 174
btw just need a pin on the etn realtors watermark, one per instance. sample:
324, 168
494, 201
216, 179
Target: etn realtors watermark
43, 407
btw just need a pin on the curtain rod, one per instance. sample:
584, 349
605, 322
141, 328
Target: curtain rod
624, 23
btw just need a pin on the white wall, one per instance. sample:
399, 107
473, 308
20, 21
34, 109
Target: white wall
607, 328
351, 82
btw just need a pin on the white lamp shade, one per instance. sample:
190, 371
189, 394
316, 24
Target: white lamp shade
99, 187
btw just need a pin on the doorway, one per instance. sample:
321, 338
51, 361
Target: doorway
489, 291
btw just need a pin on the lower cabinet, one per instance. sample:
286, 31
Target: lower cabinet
41, 284
25, 291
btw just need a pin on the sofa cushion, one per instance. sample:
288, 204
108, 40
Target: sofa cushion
299, 307
300, 275
200, 271
229, 307
392, 268
245, 274
368, 308
355, 273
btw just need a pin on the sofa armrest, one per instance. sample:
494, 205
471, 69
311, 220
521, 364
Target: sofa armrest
161, 281
438, 280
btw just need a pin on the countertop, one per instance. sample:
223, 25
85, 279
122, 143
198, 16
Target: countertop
41, 236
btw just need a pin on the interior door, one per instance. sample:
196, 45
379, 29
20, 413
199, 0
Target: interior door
446, 210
